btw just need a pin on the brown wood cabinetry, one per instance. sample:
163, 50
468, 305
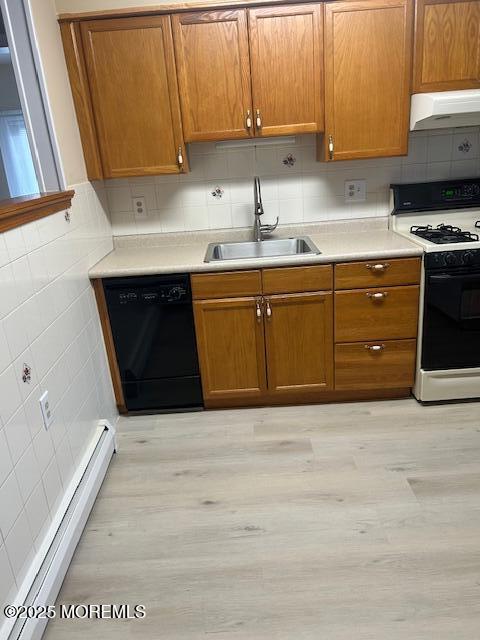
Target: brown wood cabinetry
377, 273
231, 350
132, 86
213, 73
226, 285
256, 349
376, 328
363, 366
367, 78
286, 50
295, 340
447, 45
224, 56
299, 340
376, 314
297, 279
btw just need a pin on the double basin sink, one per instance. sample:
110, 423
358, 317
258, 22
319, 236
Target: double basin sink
277, 248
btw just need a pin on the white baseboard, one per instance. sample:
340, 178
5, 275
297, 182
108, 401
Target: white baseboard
43, 582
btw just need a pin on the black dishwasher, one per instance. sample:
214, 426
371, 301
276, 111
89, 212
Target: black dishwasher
154, 335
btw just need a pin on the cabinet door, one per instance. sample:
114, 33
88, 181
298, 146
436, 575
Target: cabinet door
131, 72
447, 45
367, 78
286, 60
299, 337
231, 350
213, 74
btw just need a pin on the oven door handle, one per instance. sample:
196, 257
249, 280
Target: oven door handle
448, 278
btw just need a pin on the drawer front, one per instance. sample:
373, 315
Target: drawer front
376, 314
372, 273
231, 284
375, 365
297, 279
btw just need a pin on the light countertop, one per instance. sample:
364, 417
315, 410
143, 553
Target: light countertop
184, 253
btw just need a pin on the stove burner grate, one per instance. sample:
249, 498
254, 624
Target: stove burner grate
444, 233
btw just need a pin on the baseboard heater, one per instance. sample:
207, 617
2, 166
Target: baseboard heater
43, 582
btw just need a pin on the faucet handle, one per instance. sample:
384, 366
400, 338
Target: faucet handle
269, 228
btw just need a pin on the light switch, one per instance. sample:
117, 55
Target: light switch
355, 190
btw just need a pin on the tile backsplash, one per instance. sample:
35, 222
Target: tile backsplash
218, 192
50, 338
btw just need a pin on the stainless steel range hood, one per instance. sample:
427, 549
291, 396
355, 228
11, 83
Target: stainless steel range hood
445, 109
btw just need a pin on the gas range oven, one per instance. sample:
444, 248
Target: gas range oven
444, 219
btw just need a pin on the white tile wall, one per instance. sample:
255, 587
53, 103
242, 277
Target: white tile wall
49, 321
306, 190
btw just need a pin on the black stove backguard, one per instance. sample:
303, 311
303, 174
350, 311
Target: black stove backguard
434, 196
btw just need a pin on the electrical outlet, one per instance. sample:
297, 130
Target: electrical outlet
47, 414
139, 207
355, 190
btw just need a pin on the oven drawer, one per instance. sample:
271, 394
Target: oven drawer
375, 365
376, 314
373, 273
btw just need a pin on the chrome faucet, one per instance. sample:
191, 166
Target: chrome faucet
259, 229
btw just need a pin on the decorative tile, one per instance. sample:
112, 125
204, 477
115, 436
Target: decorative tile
289, 160
465, 146
217, 193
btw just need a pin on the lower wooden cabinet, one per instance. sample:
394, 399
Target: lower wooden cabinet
299, 340
375, 365
284, 336
252, 349
376, 314
231, 349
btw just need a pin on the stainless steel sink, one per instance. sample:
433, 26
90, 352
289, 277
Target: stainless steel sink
276, 248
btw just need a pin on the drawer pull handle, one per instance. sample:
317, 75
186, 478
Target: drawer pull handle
377, 296
375, 347
381, 266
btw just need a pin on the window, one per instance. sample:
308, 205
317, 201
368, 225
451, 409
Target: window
28, 159
20, 176
32, 184
17, 173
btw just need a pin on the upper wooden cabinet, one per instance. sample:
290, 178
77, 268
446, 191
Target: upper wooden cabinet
124, 85
286, 51
367, 78
213, 73
447, 45
250, 73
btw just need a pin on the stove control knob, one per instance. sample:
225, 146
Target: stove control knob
468, 257
450, 259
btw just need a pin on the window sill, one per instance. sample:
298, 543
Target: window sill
15, 212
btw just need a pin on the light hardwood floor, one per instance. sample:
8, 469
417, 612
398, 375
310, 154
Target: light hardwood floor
352, 521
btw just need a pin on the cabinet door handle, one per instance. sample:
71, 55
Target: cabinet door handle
269, 308
248, 120
381, 266
377, 296
180, 158
375, 347
258, 310
331, 147
258, 120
